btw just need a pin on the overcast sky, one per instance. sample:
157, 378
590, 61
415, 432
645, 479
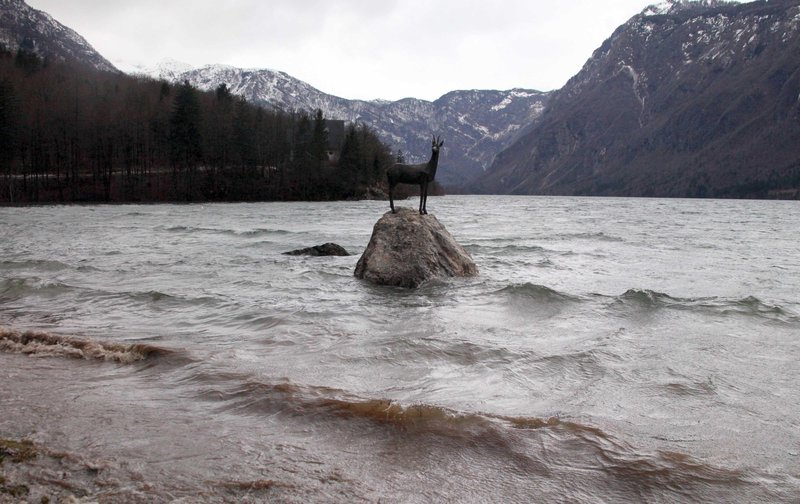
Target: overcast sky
362, 49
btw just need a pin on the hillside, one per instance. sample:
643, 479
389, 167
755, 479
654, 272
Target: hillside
685, 99
23, 26
476, 124
72, 134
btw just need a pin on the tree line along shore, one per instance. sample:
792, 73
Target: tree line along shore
73, 134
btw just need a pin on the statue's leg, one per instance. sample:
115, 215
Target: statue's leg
391, 198
421, 196
424, 209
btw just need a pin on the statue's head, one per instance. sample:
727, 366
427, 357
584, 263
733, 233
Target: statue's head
436, 143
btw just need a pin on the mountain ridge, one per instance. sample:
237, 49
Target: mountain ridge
476, 123
698, 99
22, 25
687, 98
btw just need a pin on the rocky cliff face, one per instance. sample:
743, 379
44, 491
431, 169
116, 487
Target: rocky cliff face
685, 99
476, 124
22, 25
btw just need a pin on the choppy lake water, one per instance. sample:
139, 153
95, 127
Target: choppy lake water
611, 350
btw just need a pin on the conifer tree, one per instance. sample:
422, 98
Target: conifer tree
319, 137
9, 123
185, 138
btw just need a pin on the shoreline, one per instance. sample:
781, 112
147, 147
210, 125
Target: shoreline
31, 472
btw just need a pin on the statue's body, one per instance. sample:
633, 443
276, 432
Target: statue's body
418, 174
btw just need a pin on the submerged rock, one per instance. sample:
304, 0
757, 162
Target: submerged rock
407, 248
326, 249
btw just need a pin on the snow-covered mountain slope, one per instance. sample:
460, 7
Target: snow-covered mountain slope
475, 124
21, 24
688, 98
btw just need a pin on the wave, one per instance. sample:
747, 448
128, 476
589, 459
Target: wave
14, 289
238, 393
534, 444
266, 232
38, 264
150, 296
598, 236
507, 249
749, 306
43, 344
154, 296
590, 446
230, 232
646, 297
678, 472
691, 388
458, 352
17, 288
43, 265
535, 292
153, 299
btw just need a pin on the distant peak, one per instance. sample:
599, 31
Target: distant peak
166, 68
674, 6
173, 64
219, 66
227, 67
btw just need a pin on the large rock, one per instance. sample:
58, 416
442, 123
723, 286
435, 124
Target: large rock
407, 248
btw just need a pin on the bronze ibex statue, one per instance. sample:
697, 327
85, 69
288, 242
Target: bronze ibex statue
418, 174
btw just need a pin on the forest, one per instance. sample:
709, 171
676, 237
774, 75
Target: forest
69, 133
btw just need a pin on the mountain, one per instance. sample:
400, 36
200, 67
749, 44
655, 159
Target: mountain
475, 124
23, 26
688, 98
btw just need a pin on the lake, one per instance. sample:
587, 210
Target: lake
610, 350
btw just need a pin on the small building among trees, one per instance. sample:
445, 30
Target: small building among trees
334, 131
